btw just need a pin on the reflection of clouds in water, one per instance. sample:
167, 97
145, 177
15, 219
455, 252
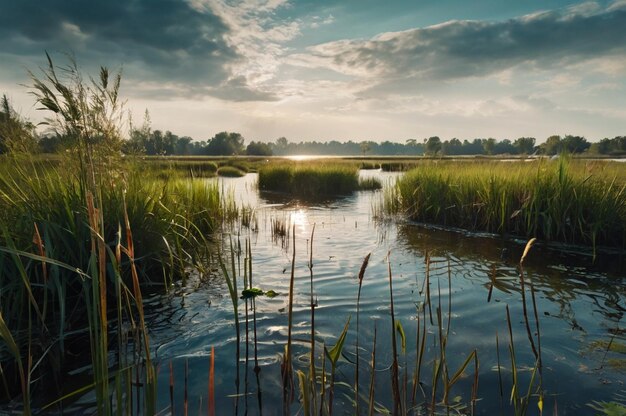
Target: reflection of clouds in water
569, 293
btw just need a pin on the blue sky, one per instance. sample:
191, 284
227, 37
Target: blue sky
322, 70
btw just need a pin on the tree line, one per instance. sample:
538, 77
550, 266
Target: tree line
17, 133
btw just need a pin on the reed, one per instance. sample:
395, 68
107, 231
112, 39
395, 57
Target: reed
309, 179
358, 303
79, 238
369, 184
369, 165
397, 166
176, 169
230, 172
566, 200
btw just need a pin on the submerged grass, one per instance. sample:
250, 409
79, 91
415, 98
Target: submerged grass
568, 201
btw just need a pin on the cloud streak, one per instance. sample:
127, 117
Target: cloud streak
181, 47
462, 49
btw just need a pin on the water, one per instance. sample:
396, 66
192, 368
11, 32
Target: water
580, 306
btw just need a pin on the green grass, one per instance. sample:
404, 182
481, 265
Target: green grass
230, 172
396, 166
71, 261
369, 165
369, 184
310, 179
566, 201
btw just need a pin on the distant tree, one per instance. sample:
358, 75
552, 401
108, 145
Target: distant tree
16, 134
183, 146
475, 147
365, 148
225, 143
525, 145
433, 145
574, 144
552, 146
452, 147
505, 147
489, 146
280, 147
198, 147
52, 143
602, 147
258, 149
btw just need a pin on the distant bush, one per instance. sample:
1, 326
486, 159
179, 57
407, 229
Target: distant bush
230, 172
369, 165
397, 166
369, 184
310, 179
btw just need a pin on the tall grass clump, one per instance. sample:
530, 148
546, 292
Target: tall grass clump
172, 169
78, 243
370, 184
230, 172
309, 179
397, 166
565, 200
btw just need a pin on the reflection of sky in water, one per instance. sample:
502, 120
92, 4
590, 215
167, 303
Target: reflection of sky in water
578, 303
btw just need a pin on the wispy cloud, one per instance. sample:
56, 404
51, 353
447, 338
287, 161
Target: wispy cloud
462, 49
221, 48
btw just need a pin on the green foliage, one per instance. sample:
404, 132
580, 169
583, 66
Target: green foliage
226, 144
370, 184
230, 172
608, 408
252, 292
525, 145
369, 165
397, 166
572, 202
258, 149
67, 252
615, 146
433, 146
552, 146
16, 134
309, 179
90, 114
335, 352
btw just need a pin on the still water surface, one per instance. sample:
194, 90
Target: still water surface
580, 306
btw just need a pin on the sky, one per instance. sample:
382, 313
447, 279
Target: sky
337, 69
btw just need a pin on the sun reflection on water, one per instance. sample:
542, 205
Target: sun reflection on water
300, 219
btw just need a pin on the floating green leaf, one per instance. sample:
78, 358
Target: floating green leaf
253, 292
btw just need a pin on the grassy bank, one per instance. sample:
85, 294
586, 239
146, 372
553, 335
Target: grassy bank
312, 178
567, 201
74, 261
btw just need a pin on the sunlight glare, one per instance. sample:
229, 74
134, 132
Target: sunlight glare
300, 220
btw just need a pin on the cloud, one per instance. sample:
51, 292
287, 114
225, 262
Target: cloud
318, 21
176, 45
462, 49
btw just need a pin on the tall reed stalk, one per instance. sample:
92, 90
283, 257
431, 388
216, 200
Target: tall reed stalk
287, 370
358, 302
395, 381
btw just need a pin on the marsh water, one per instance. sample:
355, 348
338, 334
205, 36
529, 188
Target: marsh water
471, 281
